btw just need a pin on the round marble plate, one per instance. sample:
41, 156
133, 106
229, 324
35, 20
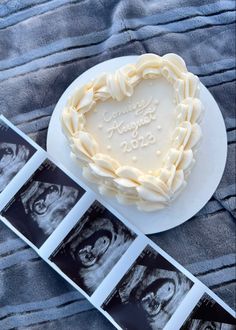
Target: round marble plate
202, 182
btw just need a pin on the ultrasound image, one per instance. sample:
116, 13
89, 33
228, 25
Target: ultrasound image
14, 154
209, 315
42, 203
149, 293
93, 247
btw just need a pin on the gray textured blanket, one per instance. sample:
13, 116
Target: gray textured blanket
44, 46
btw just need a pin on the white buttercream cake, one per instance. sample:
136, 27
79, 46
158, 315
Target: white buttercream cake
135, 131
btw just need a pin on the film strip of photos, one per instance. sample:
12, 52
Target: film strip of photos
92, 248
149, 293
152, 290
96, 250
42, 202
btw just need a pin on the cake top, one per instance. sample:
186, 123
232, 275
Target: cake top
134, 130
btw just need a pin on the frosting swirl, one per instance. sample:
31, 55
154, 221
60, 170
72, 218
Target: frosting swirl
129, 184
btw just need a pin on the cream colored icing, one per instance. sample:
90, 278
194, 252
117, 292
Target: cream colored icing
137, 126
127, 178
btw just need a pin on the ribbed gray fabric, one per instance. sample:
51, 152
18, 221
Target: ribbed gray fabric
44, 46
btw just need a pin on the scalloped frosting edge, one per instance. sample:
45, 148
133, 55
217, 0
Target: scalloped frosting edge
128, 184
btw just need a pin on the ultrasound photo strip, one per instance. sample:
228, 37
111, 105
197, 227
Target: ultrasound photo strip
42, 202
157, 292
152, 290
143, 284
91, 249
149, 293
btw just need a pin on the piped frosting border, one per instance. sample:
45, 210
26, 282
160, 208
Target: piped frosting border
127, 183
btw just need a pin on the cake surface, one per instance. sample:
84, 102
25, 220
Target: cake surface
135, 131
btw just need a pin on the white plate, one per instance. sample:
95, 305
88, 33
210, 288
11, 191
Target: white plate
203, 179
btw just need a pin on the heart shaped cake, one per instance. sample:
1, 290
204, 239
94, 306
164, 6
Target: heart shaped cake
135, 132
